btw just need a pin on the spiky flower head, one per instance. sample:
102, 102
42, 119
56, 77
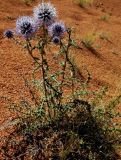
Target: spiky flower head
9, 33
26, 26
57, 29
45, 13
56, 40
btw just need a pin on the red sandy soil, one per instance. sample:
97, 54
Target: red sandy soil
105, 68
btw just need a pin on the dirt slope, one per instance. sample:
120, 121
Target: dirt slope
105, 66
111, 6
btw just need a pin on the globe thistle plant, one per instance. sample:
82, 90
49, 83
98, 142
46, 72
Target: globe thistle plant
26, 26
9, 34
45, 13
56, 40
57, 29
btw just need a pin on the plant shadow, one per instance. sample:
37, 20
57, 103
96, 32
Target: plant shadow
59, 137
94, 140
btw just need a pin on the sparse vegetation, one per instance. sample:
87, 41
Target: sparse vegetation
84, 3
28, 2
9, 17
115, 52
89, 40
105, 17
105, 36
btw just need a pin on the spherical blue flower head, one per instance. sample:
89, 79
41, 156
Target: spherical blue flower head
26, 26
56, 40
9, 34
57, 29
45, 13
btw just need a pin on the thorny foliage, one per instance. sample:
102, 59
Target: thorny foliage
61, 123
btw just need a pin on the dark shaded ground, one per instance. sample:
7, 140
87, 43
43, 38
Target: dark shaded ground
76, 137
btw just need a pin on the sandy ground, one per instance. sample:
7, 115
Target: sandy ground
105, 68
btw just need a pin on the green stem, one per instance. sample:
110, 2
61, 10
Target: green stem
29, 48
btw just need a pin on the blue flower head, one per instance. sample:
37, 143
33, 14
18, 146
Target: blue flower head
57, 29
9, 33
45, 13
26, 26
56, 40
